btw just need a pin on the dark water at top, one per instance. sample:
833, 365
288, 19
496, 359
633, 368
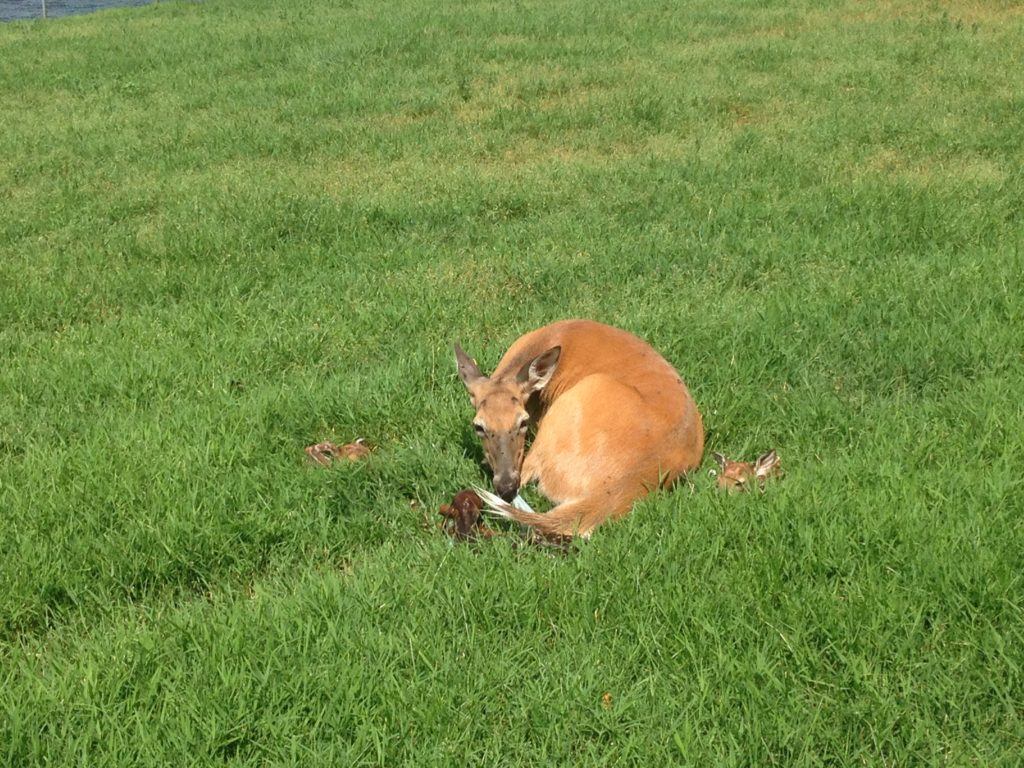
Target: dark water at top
33, 9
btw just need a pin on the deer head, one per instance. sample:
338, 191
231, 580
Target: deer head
737, 475
501, 419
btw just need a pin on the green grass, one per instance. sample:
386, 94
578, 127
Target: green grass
230, 229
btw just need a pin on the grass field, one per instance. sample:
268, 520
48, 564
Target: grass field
230, 229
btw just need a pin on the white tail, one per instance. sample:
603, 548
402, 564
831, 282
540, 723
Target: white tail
613, 420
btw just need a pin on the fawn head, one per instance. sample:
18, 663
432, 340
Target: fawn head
501, 419
737, 475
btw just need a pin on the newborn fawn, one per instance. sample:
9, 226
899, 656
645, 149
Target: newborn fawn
735, 475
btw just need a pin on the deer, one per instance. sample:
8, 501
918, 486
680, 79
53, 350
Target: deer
611, 420
735, 475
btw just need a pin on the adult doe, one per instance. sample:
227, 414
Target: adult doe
613, 420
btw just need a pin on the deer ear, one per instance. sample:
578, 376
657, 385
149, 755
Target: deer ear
536, 374
720, 458
766, 462
468, 370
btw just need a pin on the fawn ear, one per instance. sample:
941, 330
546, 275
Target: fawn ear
720, 458
468, 370
536, 374
766, 462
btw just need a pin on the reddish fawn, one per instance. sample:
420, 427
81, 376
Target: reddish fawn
737, 475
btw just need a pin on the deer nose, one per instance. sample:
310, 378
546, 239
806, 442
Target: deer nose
507, 486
